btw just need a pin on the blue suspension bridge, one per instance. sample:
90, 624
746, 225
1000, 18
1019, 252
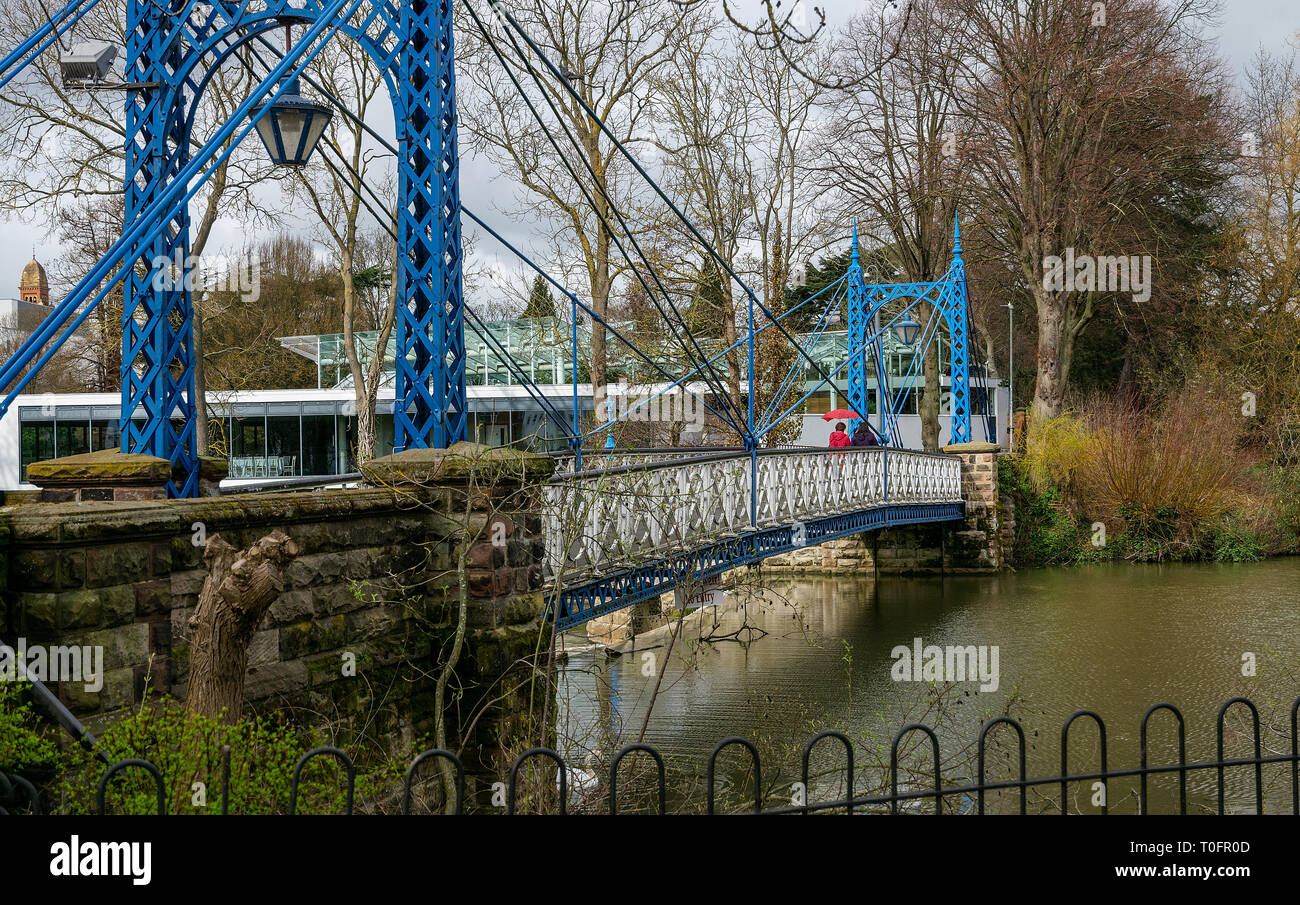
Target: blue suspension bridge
620, 528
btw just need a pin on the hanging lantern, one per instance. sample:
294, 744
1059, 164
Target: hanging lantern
292, 127
906, 330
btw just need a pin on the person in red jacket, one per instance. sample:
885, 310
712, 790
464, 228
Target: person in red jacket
838, 437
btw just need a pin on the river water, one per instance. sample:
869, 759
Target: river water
817, 653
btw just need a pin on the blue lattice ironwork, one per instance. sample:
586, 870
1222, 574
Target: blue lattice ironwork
430, 406
172, 54
618, 590
157, 315
947, 296
412, 46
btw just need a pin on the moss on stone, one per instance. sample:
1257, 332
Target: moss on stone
102, 466
459, 462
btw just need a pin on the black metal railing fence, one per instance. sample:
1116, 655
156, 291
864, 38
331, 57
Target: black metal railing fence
18, 795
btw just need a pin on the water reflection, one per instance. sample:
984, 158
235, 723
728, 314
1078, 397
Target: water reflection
1111, 638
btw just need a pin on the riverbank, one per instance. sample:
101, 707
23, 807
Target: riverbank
1191, 477
1051, 528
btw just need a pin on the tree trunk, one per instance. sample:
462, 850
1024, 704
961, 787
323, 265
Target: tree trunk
933, 390
1049, 389
600, 289
365, 428
197, 247
240, 588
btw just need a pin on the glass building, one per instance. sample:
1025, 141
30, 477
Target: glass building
268, 434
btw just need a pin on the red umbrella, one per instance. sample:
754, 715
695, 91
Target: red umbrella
840, 415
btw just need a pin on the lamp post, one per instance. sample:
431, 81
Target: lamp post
1011, 375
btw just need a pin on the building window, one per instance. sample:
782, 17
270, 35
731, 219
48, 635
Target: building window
283, 446
72, 438
384, 435
905, 402
319, 450
37, 444
104, 435
819, 403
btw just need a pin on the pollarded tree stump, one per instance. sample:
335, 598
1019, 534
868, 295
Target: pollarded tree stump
240, 588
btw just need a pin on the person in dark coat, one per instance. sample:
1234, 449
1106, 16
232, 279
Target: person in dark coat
864, 435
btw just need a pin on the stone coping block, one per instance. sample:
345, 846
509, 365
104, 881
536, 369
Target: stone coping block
213, 468
117, 467
456, 464
969, 448
89, 522
100, 468
112, 475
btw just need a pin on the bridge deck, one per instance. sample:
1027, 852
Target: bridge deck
619, 535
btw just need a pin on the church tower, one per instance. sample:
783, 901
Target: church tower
35, 286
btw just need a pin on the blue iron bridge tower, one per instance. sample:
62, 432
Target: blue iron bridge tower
170, 59
866, 302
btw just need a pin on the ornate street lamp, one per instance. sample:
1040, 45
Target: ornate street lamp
292, 127
906, 330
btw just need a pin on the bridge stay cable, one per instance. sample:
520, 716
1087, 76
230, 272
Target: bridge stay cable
533, 389
713, 252
524, 380
387, 221
675, 321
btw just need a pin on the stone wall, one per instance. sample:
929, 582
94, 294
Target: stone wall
375, 582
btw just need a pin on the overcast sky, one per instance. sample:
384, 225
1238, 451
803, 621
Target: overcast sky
1246, 26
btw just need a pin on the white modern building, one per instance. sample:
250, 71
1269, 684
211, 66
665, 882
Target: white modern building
269, 434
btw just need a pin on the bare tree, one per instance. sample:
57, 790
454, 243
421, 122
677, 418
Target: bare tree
890, 154
87, 230
1079, 113
337, 196
574, 180
709, 121
788, 224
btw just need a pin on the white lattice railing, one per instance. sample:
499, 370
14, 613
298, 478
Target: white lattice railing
599, 521
600, 459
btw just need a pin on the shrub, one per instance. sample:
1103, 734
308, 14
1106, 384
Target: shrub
23, 747
1046, 534
1055, 451
1168, 473
187, 750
